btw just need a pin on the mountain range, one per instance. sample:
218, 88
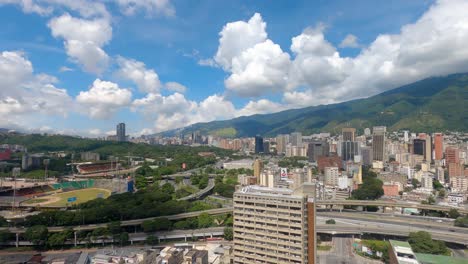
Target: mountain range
429, 105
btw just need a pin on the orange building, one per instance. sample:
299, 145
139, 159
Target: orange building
452, 155
439, 146
390, 189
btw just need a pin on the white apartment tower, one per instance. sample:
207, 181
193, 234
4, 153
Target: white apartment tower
274, 225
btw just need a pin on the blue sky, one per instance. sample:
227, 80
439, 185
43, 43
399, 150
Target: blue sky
80, 67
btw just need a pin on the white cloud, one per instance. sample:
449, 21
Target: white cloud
236, 37
86, 8
84, 40
350, 41
65, 69
150, 7
262, 106
103, 99
176, 111
24, 95
175, 87
135, 71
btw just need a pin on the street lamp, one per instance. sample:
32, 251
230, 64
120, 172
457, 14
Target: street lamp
16, 172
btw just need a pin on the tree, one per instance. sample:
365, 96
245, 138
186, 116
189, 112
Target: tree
415, 183
5, 236
461, 221
179, 179
330, 222
453, 213
37, 234
152, 240
3, 221
437, 185
205, 220
148, 226
168, 188
124, 238
421, 242
370, 189
58, 239
114, 227
441, 193
228, 233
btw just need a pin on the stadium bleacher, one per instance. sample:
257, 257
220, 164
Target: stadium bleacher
74, 185
95, 168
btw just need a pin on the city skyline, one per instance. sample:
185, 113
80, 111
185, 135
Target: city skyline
104, 66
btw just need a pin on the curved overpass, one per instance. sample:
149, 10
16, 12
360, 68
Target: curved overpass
200, 193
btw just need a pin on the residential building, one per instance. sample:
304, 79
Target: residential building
274, 225
438, 146
257, 168
331, 176
296, 139
456, 198
400, 252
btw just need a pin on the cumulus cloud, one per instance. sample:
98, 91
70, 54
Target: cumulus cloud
86, 8
83, 40
25, 94
150, 7
147, 80
175, 87
103, 99
316, 73
176, 111
262, 106
350, 41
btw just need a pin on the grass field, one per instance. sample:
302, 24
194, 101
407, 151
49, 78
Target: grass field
60, 199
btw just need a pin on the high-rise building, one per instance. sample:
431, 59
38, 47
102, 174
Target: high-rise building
348, 133
296, 139
317, 149
349, 149
378, 143
419, 146
121, 137
274, 225
366, 154
281, 143
257, 168
367, 131
266, 147
258, 144
438, 146
452, 155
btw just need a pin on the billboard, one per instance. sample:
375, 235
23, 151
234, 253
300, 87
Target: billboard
71, 199
284, 173
184, 166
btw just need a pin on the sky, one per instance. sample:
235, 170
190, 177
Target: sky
81, 66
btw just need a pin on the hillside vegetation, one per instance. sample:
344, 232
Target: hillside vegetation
433, 104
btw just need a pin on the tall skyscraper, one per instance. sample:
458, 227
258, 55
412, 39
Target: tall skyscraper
121, 137
258, 144
438, 146
348, 133
274, 225
317, 149
296, 139
349, 149
378, 143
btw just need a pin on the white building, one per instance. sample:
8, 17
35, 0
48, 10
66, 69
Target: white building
238, 164
426, 181
331, 175
456, 198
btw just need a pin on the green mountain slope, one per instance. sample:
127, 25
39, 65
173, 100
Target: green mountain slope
433, 104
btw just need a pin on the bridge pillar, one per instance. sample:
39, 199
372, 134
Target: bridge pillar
185, 238
211, 235
383, 209
17, 240
74, 241
131, 242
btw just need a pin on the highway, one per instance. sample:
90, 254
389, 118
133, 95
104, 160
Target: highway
201, 193
380, 203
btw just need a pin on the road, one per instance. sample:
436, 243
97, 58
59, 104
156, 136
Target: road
200, 193
341, 253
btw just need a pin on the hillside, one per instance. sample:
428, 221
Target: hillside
433, 104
